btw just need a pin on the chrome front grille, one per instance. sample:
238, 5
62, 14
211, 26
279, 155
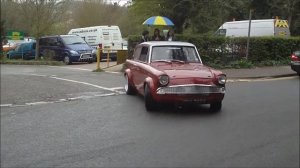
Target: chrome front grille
190, 89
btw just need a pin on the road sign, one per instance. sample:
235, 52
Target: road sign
15, 35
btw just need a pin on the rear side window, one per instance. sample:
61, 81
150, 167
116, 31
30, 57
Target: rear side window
141, 54
144, 54
137, 53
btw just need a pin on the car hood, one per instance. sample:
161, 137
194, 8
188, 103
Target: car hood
79, 47
186, 70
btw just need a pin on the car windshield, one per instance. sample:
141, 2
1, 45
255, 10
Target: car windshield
174, 53
297, 53
70, 40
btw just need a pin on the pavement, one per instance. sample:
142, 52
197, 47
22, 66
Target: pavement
257, 72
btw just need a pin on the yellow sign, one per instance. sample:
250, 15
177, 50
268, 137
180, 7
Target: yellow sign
282, 33
16, 33
281, 23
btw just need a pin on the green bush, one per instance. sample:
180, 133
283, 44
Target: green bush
225, 52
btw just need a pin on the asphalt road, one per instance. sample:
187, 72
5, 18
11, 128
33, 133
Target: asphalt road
63, 117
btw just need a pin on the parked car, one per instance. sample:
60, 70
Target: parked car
23, 51
9, 46
295, 61
172, 72
67, 48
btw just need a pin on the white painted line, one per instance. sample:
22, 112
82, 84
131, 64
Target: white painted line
37, 103
82, 69
85, 83
38, 75
59, 101
5, 105
113, 72
117, 88
105, 95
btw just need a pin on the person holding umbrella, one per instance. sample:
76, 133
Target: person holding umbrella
157, 36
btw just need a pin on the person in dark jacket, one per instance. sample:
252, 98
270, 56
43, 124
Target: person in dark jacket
170, 35
157, 36
145, 36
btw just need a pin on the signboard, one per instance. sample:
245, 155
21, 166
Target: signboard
15, 35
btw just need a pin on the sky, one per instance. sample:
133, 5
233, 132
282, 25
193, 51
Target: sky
120, 2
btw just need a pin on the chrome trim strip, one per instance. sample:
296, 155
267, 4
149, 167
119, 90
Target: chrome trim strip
190, 89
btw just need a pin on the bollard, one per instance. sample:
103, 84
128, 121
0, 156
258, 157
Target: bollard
99, 53
107, 61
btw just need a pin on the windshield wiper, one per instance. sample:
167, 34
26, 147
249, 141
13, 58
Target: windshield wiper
168, 61
78, 43
180, 61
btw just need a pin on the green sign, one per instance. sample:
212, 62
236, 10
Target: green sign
15, 35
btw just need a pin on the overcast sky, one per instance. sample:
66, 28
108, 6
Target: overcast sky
120, 2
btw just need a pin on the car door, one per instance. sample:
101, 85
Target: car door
141, 71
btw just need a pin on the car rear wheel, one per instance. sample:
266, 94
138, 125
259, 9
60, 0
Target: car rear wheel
216, 107
128, 87
67, 60
150, 104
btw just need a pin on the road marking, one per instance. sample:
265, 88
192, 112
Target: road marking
82, 69
38, 75
85, 83
117, 88
113, 72
61, 100
6, 105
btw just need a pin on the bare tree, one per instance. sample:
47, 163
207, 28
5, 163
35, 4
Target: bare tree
41, 16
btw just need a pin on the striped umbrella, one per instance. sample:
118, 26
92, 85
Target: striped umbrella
158, 21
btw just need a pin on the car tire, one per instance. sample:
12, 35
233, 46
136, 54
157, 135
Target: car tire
67, 60
90, 61
129, 89
216, 107
150, 104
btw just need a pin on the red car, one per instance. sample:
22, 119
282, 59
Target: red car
172, 72
295, 62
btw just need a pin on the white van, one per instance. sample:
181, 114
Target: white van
267, 27
109, 36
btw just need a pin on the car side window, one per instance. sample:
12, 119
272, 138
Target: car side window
136, 54
54, 42
43, 42
144, 54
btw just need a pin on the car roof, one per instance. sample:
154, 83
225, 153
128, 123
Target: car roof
67, 35
167, 43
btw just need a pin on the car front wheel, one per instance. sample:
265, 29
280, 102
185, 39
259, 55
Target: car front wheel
67, 60
150, 104
216, 107
128, 87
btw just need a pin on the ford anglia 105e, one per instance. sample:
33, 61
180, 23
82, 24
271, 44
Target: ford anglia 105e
173, 72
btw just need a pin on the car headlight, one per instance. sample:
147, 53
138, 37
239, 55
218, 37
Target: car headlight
222, 79
74, 52
164, 80
94, 51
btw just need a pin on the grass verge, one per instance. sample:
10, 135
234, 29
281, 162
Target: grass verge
30, 62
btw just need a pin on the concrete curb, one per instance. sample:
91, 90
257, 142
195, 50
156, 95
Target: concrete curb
264, 77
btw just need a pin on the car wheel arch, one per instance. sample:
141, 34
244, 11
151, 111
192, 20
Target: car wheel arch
128, 74
149, 81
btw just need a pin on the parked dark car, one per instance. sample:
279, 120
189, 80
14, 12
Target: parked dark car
295, 61
23, 51
67, 48
173, 72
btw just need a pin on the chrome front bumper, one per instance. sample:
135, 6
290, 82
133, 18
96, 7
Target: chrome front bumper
190, 89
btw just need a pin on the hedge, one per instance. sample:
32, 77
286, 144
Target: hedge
227, 52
